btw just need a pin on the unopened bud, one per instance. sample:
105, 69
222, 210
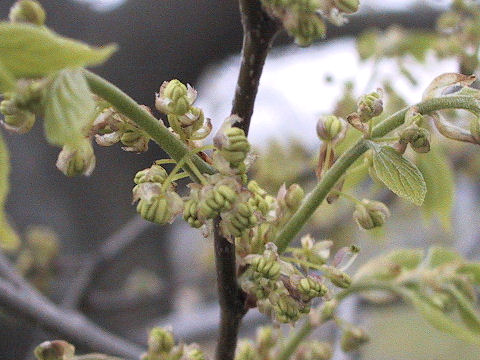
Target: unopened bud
353, 338
134, 141
27, 11
154, 174
55, 350
417, 137
347, 6
160, 208
294, 197
336, 276
370, 106
76, 161
329, 128
328, 310
175, 98
160, 340
286, 310
311, 287
371, 214
307, 29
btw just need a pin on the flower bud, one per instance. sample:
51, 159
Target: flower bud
347, 6
329, 128
20, 123
154, 174
418, 138
233, 146
370, 105
307, 29
160, 208
240, 219
76, 161
336, 276
160, 340
190, 213
55, 350
328, 310
135, 141
267, 337
216, 200
311, 287
353, 338
175, 98
370, 214
265, 267
294, 197
286, 310
27, 11
246, 351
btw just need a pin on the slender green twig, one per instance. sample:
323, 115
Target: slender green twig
316, 197
152, 126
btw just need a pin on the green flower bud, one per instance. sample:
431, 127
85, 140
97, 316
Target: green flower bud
190, 213
160, 340
347, 6
161, 208
329, 128
418, 138
240, 219
311, 287
260, 200
27, 11
175, 98
74, 161
286, 310
265, 267
370, 214
21, 122
370, 106
216, 200
233, 146
336, 276
154, 174
267, 337
294, 197
246, 351
353, 338
135, 141
307, 29
328, 310
55, 350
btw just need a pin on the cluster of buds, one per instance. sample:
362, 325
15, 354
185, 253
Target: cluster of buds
176, 100
111, 127
284, 291
304, 19
161, 346
370, 214
20, 108
157, 200
417, 137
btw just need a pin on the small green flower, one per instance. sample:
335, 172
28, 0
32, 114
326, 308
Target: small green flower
175, 98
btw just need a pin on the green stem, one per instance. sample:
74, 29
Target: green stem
301, 262
347, 196
316, 197
294, 341
147, 122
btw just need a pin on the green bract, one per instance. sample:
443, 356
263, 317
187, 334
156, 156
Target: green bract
29, 51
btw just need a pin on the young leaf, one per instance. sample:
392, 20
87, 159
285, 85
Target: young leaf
472, 269
9, 240
398, 174
7, 81
439, 178
438, 256
69, 109
468, 314
438, 319
33, 51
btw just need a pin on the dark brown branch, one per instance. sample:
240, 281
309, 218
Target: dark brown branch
259, 32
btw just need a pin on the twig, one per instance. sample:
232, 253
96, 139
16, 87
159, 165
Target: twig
259, 30
72, 325
9, 272
108, 251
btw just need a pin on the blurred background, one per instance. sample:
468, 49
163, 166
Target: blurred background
165, 274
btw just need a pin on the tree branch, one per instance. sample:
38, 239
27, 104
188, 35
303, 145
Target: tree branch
259, 31
28, 302
111, 248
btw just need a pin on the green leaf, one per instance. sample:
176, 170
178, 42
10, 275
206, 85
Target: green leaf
33, 51
407, 259
9, 239
438, 256
69, 109
438, 319
398, 174
439, 179
468, 314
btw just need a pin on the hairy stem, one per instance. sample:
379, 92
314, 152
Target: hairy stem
147, 122
316, 197
259, 31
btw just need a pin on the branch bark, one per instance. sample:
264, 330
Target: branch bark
259, 31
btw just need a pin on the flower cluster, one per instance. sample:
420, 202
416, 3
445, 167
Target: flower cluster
303, 19
284, 287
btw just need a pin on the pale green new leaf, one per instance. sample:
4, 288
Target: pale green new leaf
34, 51
467, 312
438, 175
7, 80
9, 239
438, 256
69, 108
438, 319
398, 174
